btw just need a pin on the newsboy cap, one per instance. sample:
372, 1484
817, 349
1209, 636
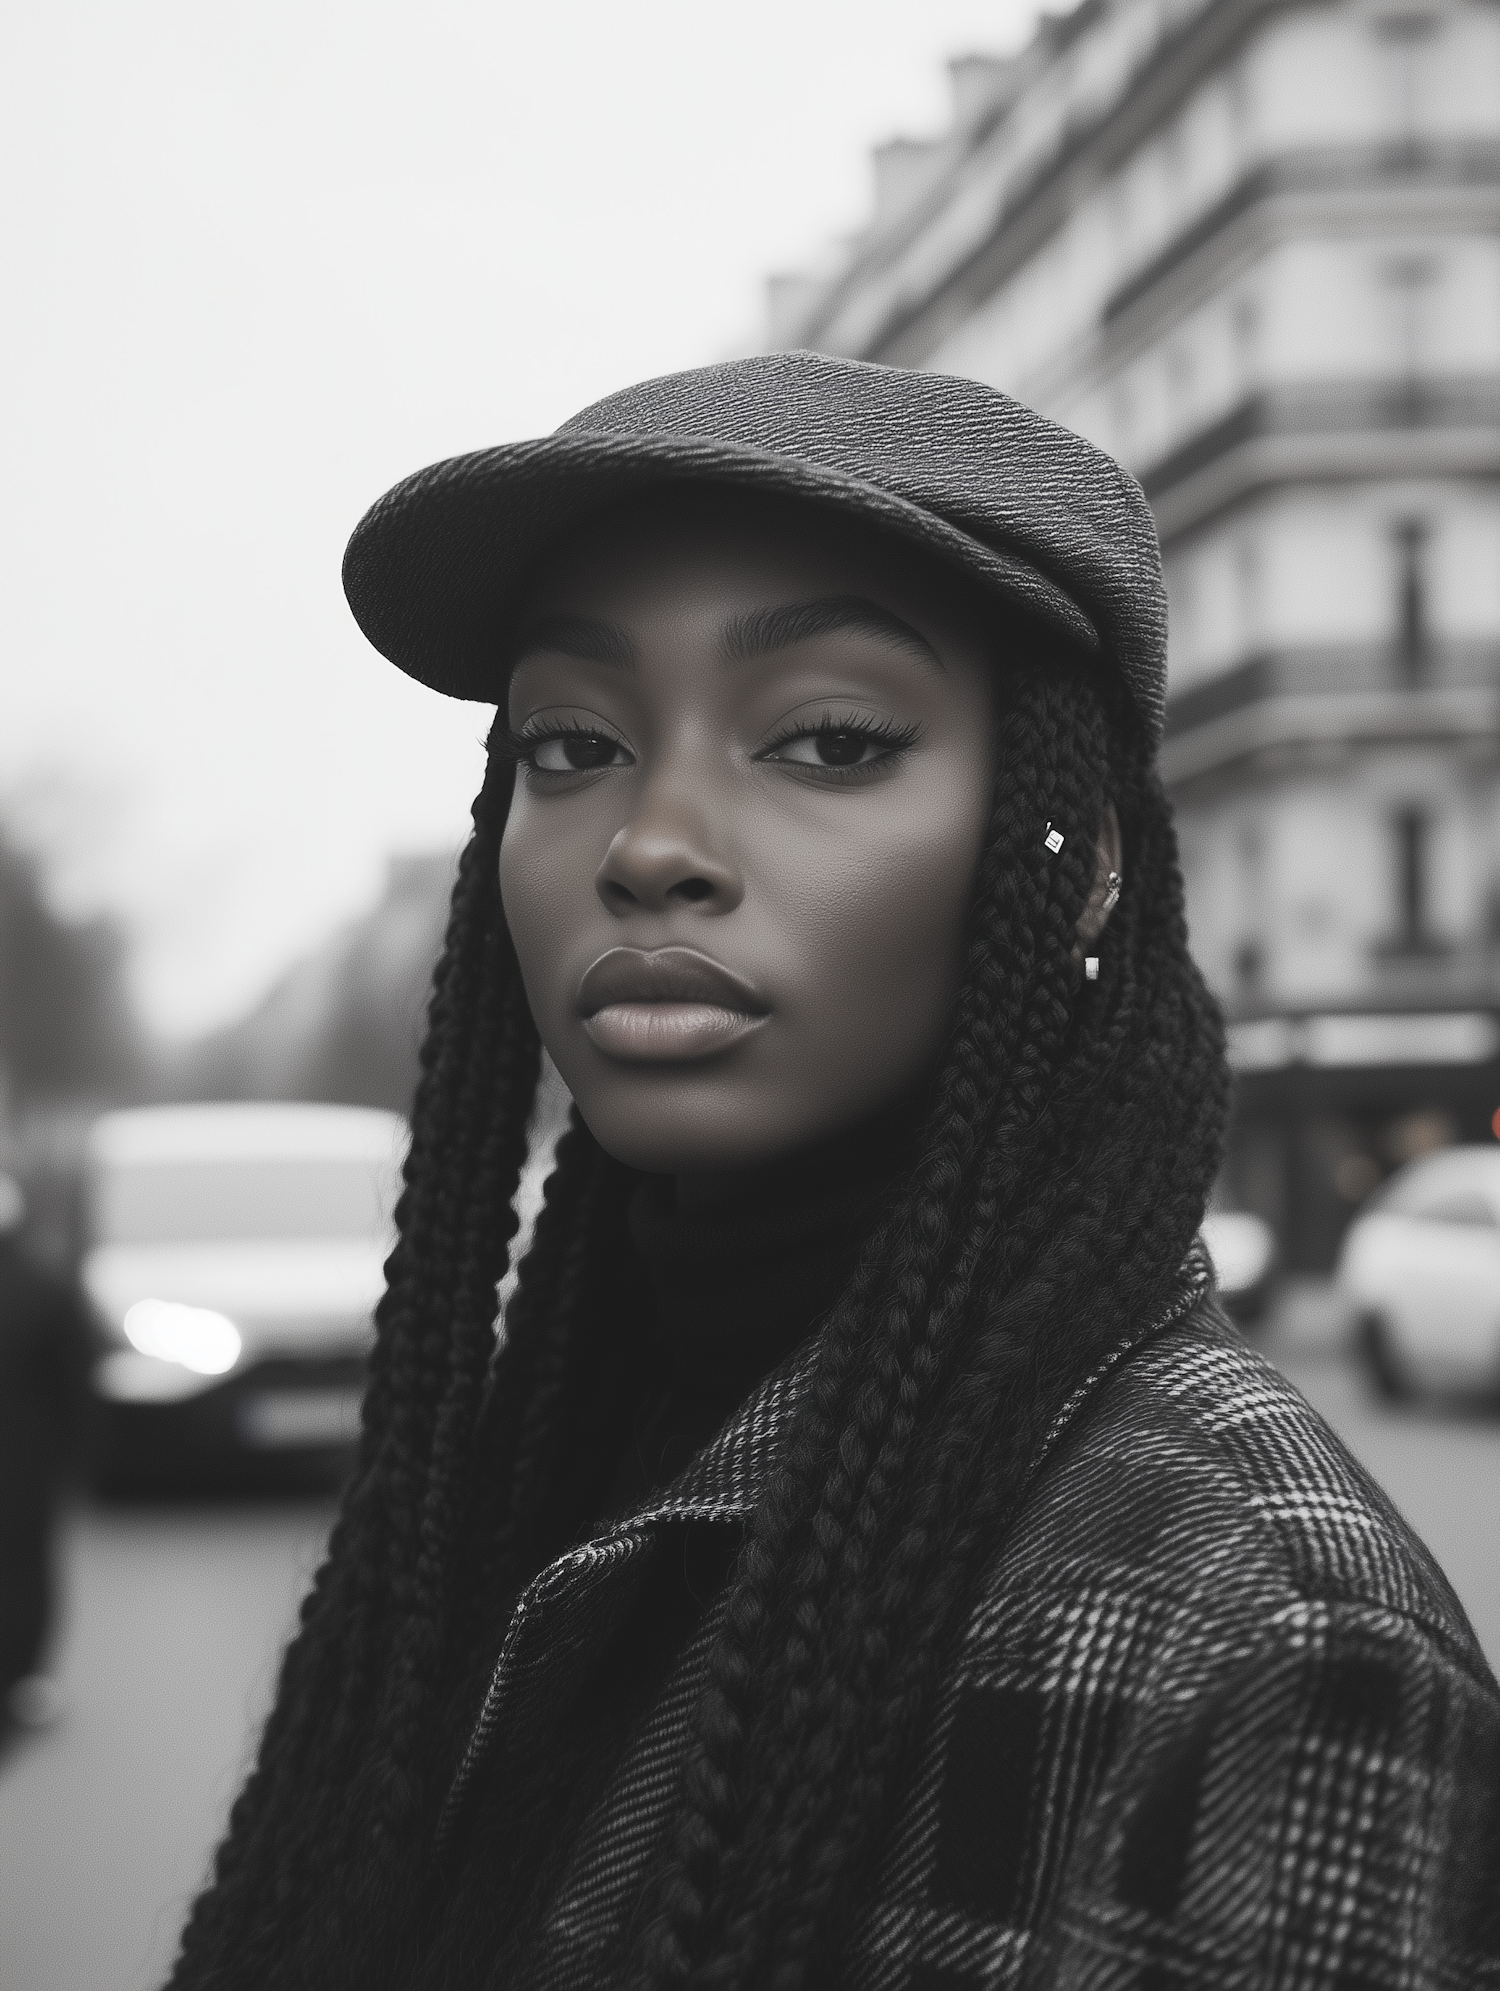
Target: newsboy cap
1026, 508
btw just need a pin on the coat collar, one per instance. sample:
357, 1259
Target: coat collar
564, 1611
727, 1480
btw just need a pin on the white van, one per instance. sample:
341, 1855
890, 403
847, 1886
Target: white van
234, 1261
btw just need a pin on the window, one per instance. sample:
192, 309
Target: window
1121, 216
1237, 85
1174, 159
1411, 848
1179, 372
1245, 332
1405, 36
1412, 646
1250, 954
1122, 412
1249, 592
1410, 282
1249, 966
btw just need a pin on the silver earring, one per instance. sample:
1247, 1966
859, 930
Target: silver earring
1053, 839
1091, 967
1112, 896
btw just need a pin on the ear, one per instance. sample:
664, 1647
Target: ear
1109, 855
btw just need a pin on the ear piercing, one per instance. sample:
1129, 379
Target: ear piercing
1054, 840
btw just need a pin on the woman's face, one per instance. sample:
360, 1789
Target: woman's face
758, 750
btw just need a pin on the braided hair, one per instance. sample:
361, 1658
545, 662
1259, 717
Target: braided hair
1073, 1131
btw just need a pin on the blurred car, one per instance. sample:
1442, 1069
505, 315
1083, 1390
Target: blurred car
234, 1263
1242, 1247
1420, 1269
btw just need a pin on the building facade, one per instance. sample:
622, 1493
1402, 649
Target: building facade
1253, 250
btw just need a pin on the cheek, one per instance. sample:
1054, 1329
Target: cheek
540, 887
883, 920
519, 883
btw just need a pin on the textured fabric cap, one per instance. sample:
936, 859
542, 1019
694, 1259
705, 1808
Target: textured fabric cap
1025, 507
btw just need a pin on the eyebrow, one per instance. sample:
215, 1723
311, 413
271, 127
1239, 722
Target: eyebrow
759, 631
585, 636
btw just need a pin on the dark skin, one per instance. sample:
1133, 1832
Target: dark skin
759, 745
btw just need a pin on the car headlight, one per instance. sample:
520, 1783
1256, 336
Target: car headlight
197, 1338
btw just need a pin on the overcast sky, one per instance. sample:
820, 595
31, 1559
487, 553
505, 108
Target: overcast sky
263, 259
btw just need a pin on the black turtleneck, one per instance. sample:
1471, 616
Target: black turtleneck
740, 1269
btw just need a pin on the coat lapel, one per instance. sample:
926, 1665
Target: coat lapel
566, 1614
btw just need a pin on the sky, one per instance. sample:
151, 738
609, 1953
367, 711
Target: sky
263, 260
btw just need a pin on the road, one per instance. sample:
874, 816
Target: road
168, 1660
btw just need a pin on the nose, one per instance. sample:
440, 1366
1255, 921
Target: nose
668, 855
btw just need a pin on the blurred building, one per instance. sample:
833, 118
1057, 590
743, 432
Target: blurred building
343, 1024
1254, 251
70, 1040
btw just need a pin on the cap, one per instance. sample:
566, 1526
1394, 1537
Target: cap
1029, 510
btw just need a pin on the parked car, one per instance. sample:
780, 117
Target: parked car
1242, 1247
234, 1262
1420, 1269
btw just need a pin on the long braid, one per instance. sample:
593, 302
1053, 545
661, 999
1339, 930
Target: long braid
838, 1622
906, 1265
301, 1883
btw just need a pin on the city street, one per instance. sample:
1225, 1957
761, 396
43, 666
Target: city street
174, 1620
1078, 426
175, 1617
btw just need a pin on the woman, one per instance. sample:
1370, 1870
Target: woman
870, 1557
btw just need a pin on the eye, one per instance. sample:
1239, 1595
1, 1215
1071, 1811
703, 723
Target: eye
836, 745
575, 753
843, 747
563, 747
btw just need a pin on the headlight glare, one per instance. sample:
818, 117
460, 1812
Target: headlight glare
196, 1338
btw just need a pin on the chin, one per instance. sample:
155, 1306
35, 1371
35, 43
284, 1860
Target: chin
681, 1135
668, 1147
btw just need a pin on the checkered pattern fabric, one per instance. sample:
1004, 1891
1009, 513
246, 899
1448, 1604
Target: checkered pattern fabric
1217, 1721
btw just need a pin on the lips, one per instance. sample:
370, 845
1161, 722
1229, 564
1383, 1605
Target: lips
666, 1005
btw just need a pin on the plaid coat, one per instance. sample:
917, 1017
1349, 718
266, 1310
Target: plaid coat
1216, 1720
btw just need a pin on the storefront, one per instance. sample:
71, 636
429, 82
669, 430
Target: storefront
1329, 1106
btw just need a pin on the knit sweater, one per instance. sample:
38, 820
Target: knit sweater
737, 1280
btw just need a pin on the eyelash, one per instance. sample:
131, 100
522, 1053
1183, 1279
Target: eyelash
522, 744
886, 733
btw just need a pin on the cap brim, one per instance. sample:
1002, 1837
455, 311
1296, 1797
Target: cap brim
434, 569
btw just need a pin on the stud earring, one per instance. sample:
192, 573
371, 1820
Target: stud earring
1091, 967
1112, 896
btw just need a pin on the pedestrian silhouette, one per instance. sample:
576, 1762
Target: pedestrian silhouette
44, 1340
